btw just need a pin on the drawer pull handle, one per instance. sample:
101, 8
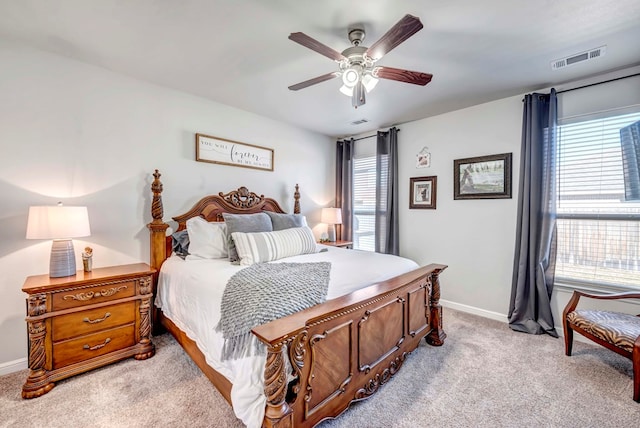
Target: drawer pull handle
107, 315
93, 348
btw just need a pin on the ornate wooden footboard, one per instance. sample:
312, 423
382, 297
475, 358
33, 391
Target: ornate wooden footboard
344, 349
340, 351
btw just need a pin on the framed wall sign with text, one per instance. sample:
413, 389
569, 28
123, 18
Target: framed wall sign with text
228, 152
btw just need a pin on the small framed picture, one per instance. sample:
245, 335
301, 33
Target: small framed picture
423, 158
422, 193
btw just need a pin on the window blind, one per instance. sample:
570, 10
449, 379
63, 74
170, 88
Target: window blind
598, 230
364, 203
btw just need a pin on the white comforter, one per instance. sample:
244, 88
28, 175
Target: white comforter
190, 292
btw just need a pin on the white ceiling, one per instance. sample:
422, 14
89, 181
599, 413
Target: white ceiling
236, 52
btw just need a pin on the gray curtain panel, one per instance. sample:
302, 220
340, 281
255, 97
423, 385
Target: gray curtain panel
534, 260
630, 145
344, 188
387, 227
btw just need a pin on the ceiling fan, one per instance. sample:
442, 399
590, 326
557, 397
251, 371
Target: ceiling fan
357, 63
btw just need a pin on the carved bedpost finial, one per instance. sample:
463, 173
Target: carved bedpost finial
157, 228
296, 198
156, 206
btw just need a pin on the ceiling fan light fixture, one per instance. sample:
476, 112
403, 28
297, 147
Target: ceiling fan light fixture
351, 76
369, 82
346, 90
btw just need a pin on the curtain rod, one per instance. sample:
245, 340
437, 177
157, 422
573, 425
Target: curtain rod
369, 136
598, 83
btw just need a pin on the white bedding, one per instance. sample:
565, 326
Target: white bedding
190, 292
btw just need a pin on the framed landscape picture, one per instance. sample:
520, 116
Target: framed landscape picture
422, 193
483, 177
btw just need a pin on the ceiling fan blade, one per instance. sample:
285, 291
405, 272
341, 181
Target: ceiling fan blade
315, 45
401, 75
405, 28
315, 80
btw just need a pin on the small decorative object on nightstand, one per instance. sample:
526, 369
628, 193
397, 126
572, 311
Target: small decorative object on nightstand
82, 322
341, 244
87, 259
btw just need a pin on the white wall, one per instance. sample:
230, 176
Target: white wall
82, 135
476, 238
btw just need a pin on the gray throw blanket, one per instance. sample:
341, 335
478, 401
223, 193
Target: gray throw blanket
264, 292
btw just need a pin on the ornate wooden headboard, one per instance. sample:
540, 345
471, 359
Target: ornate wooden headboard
240, 201
211, 207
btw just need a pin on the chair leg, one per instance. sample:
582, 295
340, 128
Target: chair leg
635, 358
568, 338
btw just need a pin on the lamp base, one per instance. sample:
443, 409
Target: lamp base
331, 231
63, 259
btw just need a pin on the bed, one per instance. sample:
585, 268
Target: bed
318, 360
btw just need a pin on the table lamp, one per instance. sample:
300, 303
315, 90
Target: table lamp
331, 216
59, 223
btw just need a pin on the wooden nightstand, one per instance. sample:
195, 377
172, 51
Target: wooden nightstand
81, 322
341, 244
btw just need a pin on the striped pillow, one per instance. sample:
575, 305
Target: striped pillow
259, 247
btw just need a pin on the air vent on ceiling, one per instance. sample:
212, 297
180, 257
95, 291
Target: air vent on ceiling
582, 56
359, 122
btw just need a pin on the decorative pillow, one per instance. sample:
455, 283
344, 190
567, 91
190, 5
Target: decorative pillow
207, 240
268, 246
286, 221
180, 243
245, 223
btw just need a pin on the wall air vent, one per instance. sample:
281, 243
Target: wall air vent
580, 57
359, 122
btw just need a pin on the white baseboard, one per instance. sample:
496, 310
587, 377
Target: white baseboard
499, 317
473, 310
13, 366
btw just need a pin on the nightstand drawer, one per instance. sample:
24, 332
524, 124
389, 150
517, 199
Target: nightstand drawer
93, 345
90, 295
86, 322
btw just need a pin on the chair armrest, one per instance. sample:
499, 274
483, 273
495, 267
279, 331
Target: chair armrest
573, 302
628, 295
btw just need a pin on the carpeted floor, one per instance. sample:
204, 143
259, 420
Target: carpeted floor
485, 375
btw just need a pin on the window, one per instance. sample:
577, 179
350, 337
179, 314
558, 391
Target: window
374, 190
364, 203
598, 231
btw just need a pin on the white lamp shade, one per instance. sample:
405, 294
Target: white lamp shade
369, 82
331, 216
57, 222
346, 90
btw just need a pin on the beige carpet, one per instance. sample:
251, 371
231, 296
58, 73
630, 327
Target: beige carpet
484, 376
